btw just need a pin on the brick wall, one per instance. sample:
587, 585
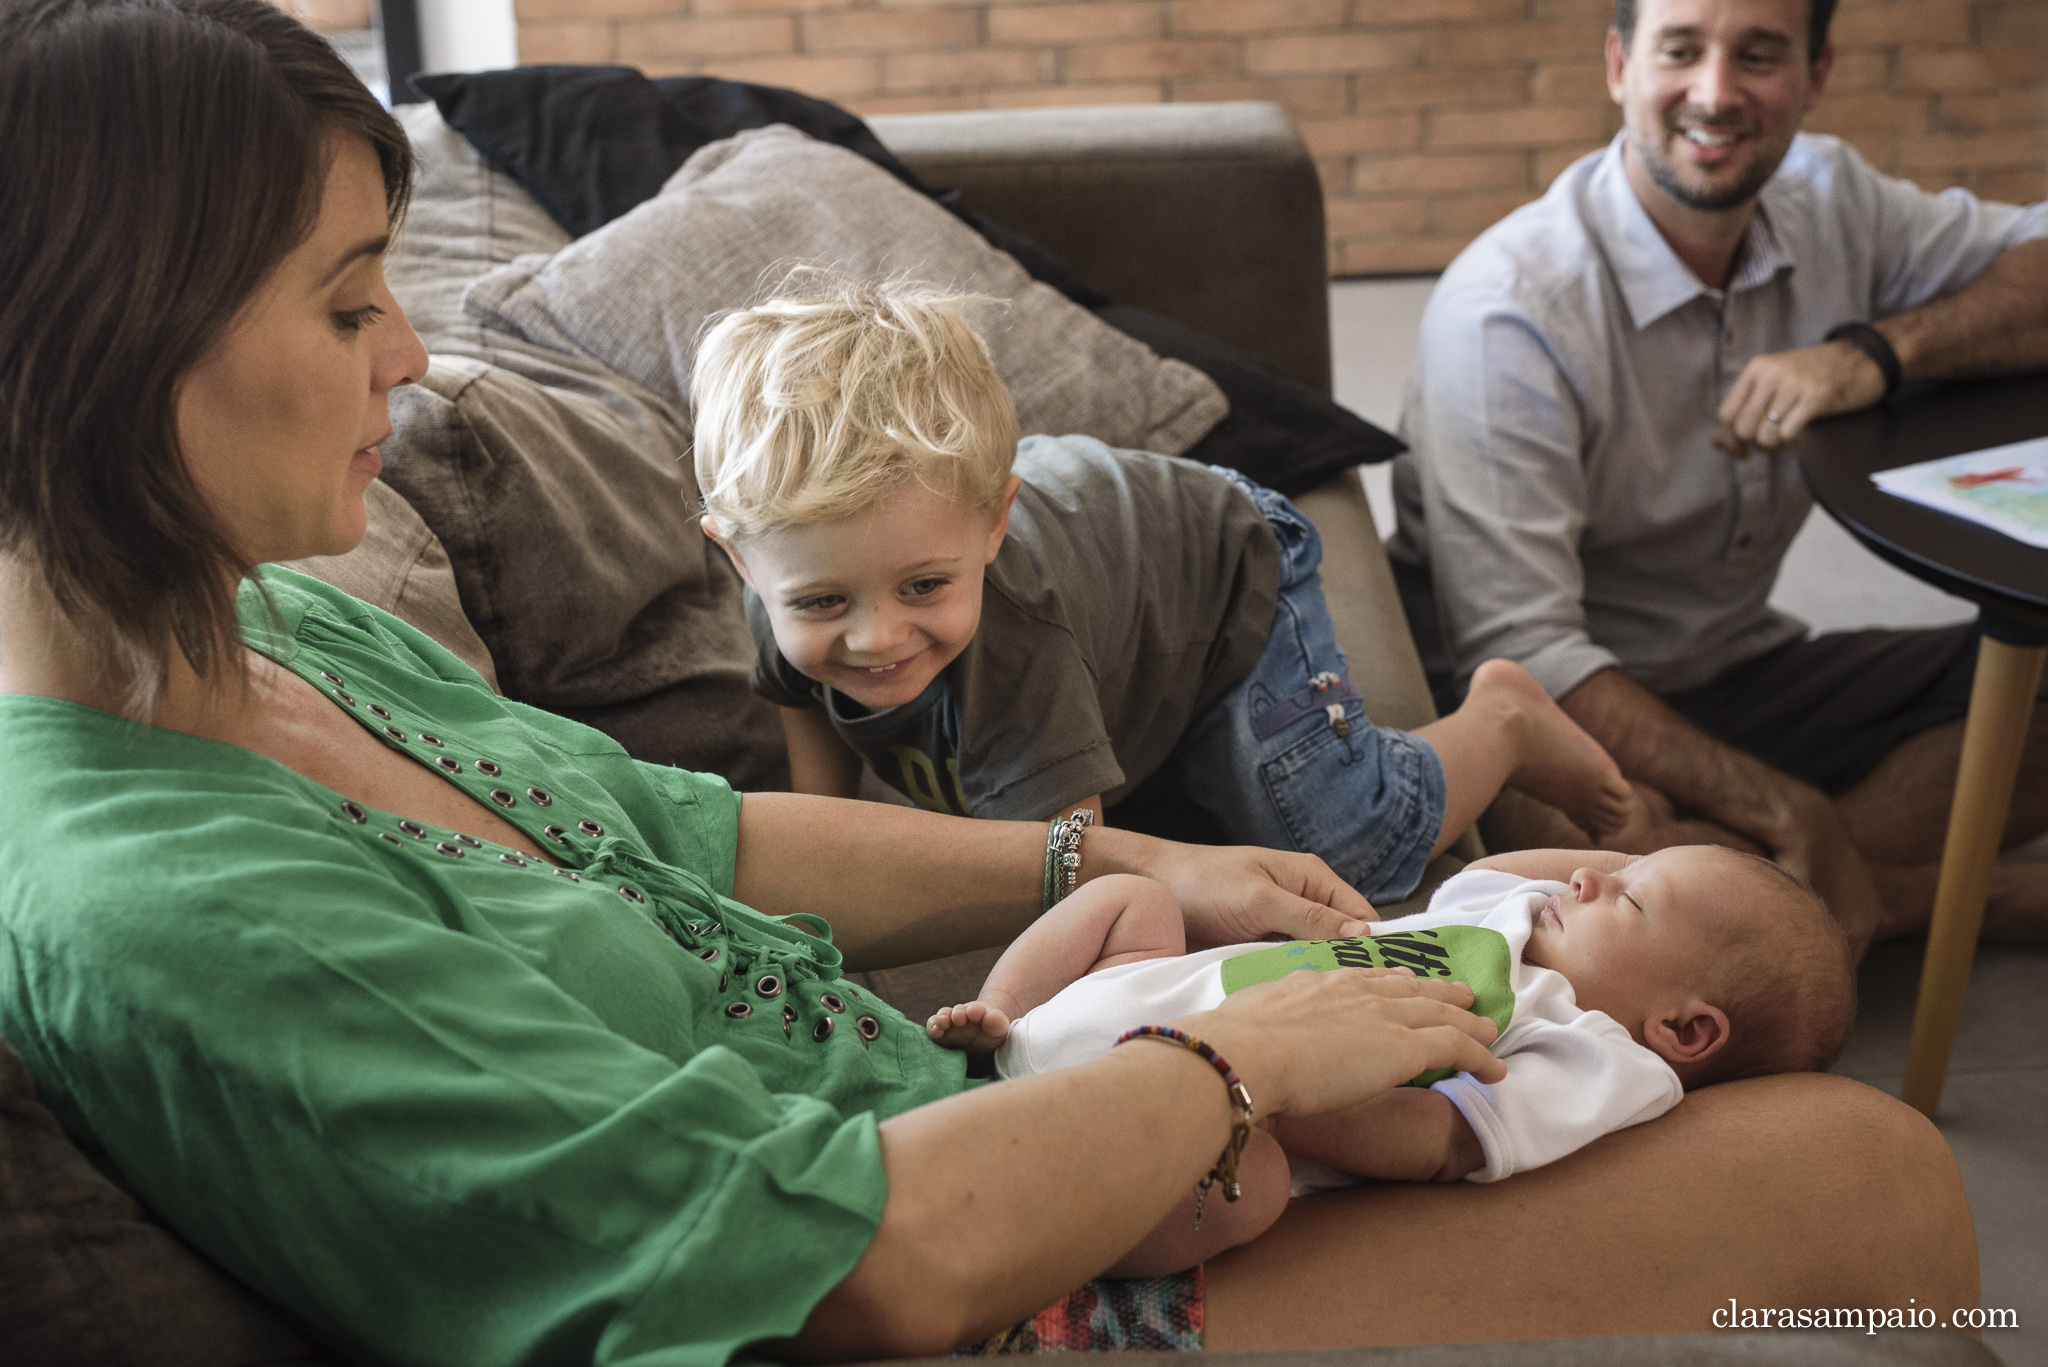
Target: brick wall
1429, 119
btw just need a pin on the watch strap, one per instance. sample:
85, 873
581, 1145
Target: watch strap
1872, 343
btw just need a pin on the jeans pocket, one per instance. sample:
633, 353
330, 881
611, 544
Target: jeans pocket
1359, 802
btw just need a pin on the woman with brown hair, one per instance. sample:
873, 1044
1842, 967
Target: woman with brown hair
466, 1038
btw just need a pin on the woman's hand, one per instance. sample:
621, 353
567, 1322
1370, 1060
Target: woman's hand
1234, 894
1315, 1042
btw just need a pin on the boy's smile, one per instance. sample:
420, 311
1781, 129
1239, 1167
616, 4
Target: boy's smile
876, 605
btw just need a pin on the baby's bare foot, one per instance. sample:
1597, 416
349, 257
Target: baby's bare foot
975, 1027
1560, 764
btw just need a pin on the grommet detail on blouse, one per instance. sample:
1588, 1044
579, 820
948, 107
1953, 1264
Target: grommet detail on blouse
569, 874
354, 813
709, 955
555, 833
822, 1031
332, 678
488, 768
503, 797
739, 1011
380, 711
386, 835
590, 828
724, 981
870, 1028
343, 694
434, 741
517, 861
471, 841
768, 985
413, 829
452, 851
788, 1017
831, 1002
540, 797
633, 895
449, 765
395, 734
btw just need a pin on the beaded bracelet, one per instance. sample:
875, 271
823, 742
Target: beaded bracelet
1063, 856
1224, 1174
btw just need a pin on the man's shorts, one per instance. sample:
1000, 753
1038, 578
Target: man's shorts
1827, 709
1275, 767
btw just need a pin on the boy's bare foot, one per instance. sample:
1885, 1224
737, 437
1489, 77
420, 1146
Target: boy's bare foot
975, 1027
1559, 763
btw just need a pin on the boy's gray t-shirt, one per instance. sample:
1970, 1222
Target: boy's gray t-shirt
1133, 591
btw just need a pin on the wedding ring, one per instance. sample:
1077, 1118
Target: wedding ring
1770, 417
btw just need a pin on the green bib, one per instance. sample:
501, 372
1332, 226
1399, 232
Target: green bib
1472, 955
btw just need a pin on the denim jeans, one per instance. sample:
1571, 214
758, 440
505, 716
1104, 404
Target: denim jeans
1288, 759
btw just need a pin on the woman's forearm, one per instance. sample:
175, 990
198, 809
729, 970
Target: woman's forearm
1003, 1199
898, 885
901, 885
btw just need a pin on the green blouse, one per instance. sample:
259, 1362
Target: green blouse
445, 1103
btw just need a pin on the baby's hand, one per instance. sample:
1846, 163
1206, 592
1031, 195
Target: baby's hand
976, 1027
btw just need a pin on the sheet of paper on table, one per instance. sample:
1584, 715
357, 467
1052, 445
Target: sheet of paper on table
2004, 488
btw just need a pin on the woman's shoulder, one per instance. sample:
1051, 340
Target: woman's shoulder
281, 610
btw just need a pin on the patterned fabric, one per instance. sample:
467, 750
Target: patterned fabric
1108, 1316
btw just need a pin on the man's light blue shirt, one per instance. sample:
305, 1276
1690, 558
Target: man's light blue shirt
1561, 493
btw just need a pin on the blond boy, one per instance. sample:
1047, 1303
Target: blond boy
1014, 631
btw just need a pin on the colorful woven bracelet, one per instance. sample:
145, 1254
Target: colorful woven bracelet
1224, 1174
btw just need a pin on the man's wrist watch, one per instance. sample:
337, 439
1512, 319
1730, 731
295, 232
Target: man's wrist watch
1871, 343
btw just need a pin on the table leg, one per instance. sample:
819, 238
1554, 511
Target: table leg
2001, 706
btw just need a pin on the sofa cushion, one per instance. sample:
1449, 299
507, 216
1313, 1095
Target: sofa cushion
88, 1280
566, 511
636, 293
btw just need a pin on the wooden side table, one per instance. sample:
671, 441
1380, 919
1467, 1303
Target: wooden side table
2008, 580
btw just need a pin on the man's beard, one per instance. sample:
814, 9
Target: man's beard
1665, 174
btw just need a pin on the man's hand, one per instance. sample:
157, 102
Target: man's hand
1776, 395
1814, 844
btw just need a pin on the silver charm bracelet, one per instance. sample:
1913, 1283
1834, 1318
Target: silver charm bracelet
1063, 856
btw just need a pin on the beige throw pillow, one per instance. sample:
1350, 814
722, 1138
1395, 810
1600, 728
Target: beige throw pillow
635, 293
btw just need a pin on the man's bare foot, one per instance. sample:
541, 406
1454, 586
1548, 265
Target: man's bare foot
1558, 762
975, 1027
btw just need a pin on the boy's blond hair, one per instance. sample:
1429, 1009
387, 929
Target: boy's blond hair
837, 391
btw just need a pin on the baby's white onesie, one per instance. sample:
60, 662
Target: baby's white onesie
1573, 1075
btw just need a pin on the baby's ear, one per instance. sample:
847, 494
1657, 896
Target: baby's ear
1692, 1034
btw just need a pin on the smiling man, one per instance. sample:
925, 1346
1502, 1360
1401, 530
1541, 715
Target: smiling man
1599, 485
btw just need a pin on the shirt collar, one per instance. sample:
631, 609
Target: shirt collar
1653, 280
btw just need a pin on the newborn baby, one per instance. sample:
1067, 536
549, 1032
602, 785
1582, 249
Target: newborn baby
1618, 983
